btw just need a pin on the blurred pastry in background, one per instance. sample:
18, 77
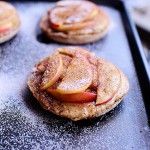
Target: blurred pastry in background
141, 15
9, 21
75, 22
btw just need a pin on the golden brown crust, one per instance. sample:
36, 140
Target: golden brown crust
86, 35
71, 110
9, 21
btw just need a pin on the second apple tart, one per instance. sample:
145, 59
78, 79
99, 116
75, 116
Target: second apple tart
75, 22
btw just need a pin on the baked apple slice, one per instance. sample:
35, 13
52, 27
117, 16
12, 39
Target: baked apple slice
53, 71
75, 51
109, 79
78, 77
5, 27
3, 30
82, 97
69, 51
41, 66
66, 62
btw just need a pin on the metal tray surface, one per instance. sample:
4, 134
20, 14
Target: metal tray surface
25, 125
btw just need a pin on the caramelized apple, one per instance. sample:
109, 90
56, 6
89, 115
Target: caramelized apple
53, 71
69, 51
72, 76
82, 97
72, 15
74, 51
41, 66
109, 82
78, 77
5, 27
66, 62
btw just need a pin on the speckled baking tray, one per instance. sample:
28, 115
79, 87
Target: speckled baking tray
25, 125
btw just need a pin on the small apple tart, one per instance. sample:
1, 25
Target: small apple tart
9, 21
75, 22
75, 84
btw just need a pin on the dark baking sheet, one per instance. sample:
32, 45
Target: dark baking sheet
25, 125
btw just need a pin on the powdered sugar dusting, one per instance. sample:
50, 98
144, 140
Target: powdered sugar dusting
25, 125
78, 76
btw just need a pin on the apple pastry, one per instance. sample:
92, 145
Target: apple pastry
75, 84
75, 22
9, 21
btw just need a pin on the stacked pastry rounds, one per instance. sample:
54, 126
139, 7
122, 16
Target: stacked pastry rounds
75, 84
9, 21
75, 22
